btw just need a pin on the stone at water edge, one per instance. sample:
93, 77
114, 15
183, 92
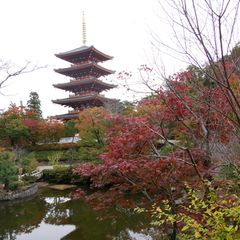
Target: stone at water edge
2, 186
62, 186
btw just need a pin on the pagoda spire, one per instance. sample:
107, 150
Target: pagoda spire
84, 32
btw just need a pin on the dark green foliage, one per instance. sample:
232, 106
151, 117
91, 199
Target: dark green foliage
29, 179
60, 175
34, 105
90, 148
83, 153
15, 185
69, 128
201, 77
166, 149
90, 154
8, 170
71, 154
230, 171
63, 175
5, 156
53, 146
65, 155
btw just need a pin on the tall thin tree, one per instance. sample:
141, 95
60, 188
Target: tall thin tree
34, 104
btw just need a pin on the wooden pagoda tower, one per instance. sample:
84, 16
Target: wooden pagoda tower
84, 84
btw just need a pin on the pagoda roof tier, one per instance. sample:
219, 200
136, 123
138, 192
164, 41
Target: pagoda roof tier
79, 101
67, 116
79, 85
85, 69
83, 54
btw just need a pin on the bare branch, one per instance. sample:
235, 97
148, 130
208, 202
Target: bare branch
9, 71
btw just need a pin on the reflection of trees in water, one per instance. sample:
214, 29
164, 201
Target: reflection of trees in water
54, 207
146, 234
61, 211
20, 217
57, 212
88, 225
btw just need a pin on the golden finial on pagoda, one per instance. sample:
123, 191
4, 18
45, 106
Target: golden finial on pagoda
84, 34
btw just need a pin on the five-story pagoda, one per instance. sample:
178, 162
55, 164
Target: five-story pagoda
84, 84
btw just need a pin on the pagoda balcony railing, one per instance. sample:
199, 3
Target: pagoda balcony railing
86, 74
81, 78
83, 62
73, 111
85, 93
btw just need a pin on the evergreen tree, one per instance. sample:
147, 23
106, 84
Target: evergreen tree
34, 104
69, 128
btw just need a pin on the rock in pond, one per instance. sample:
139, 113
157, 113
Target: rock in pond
62, 186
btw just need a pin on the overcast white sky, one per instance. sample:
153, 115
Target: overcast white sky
36, 30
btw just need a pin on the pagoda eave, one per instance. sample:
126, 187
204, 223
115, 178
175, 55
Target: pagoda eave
67, 116
84, 69
81, 83
83, 100
84, 52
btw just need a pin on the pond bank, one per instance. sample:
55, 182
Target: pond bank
18, 194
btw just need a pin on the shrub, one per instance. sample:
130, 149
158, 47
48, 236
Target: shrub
71, 154
69, 128
230, 171
54, 158
53, 146
60, 175
7, 156
90, 154
15, 185
66, 155
8, 170
29, 179
43, 155
29, 163
213, 217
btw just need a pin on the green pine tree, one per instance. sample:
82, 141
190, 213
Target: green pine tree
34, 104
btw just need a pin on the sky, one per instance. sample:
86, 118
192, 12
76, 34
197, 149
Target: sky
36, 30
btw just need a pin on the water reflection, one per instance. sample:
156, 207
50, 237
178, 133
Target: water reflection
53, 215
47, 231
56, 200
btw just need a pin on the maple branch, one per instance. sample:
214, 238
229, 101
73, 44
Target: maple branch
143, 191
162, 135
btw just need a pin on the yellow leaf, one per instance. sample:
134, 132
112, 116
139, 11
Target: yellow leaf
185, 228
197, 235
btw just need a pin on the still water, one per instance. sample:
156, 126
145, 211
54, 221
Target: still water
52, 215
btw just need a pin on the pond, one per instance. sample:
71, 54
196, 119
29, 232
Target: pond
52, 215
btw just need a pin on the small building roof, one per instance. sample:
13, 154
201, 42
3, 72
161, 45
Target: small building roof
84, 69
82, 54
